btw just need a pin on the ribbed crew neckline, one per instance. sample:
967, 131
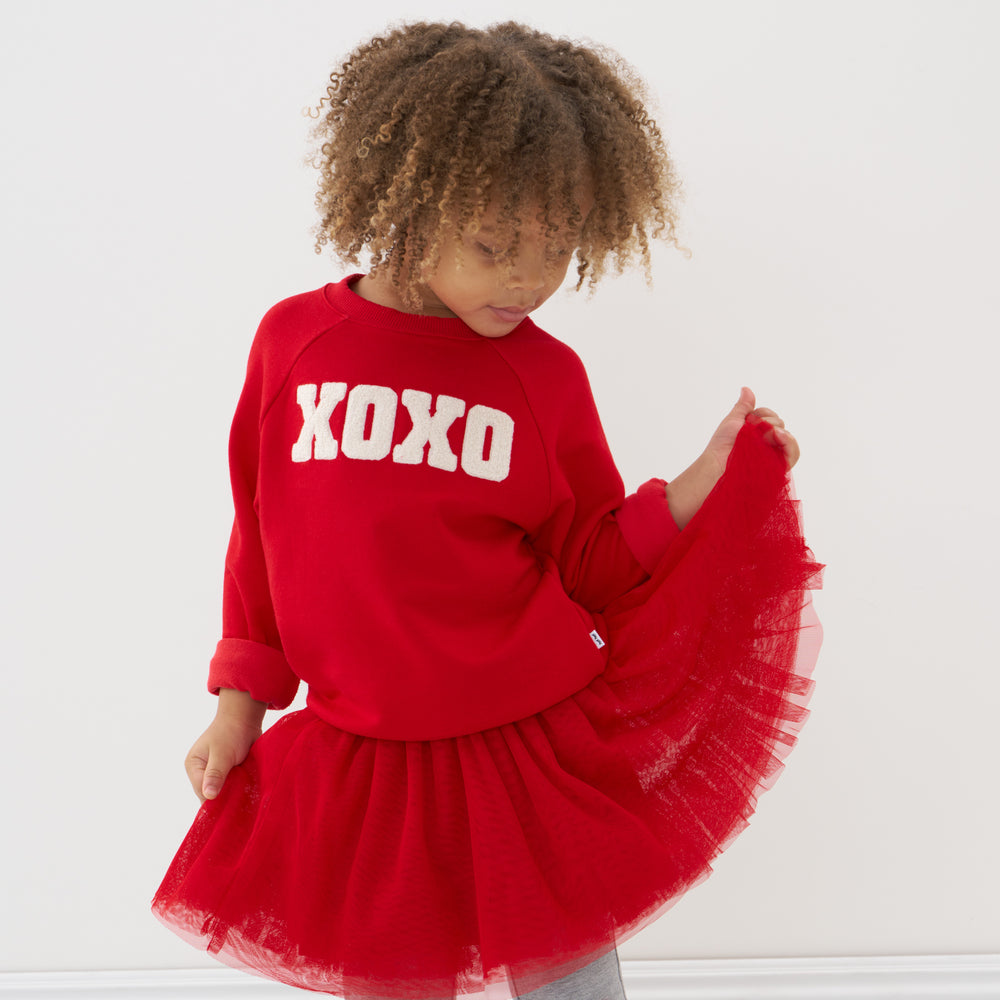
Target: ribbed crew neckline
344, 300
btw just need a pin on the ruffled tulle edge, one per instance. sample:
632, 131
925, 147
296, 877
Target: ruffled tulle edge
243, 954
787, 728
757, 468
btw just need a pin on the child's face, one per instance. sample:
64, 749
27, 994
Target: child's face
476, 289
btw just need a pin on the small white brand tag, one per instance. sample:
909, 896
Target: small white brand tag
598, 641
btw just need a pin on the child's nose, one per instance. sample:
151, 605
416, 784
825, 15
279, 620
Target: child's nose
529, 271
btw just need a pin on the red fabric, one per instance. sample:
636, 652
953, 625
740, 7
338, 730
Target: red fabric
645, 520
419, 602
376, 868
252, 666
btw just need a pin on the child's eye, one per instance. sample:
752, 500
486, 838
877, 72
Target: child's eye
487, 251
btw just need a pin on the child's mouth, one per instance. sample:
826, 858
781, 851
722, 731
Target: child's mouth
509, 315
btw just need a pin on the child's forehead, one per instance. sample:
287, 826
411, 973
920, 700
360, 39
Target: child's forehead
529, 212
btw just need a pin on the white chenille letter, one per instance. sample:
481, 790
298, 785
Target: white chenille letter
316, 420
496, 465
382, 401
427, 428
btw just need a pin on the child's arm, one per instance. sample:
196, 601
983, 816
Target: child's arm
249, 671
226, 742
687, 492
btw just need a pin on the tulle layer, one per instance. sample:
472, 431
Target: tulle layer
511, 857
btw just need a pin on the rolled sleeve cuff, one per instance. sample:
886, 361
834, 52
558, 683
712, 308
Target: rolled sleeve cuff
261, 671
647, 524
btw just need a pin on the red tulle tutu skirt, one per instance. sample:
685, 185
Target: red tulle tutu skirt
508, 858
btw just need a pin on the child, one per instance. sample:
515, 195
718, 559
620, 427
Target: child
537, 707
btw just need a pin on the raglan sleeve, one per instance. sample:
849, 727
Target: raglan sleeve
249, 656
605, 542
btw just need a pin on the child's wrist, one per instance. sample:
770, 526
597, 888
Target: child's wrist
240, 707
687, 492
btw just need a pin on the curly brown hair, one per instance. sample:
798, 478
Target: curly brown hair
430, 125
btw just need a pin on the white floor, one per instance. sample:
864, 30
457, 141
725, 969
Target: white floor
944, 977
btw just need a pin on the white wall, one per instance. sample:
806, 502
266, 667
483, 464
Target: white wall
840, 162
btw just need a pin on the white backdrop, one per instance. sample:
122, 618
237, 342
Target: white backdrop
840, 163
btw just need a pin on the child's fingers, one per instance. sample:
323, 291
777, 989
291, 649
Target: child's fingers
207, 766
762, 413
791, 448
777, 436
215, 774
195, 764
745, 404
787, 443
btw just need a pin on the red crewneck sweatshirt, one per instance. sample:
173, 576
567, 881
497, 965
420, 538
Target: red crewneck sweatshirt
427, 522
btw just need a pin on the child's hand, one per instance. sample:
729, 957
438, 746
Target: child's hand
225, 743
724, 437
687, 492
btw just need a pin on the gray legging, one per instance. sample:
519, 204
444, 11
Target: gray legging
601, 980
